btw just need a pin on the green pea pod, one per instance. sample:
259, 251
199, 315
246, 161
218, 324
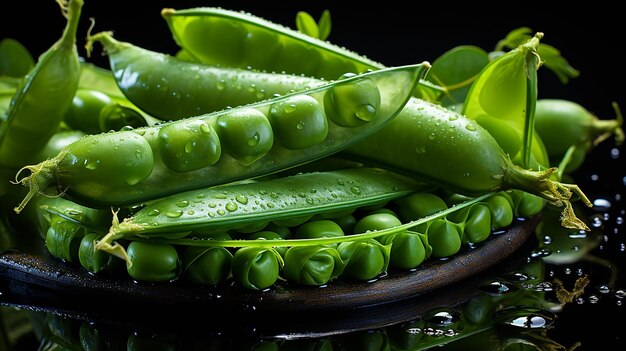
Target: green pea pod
93, 219
563, 123
152, 262
63, 238
447, 149
130, 167
240, 205
206, 266
43, 97
312, 265
365, 259
93, 77
15, 60
444, 238
256, 268
216, 36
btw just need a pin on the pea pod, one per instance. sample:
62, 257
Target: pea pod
63, 238
130, 167
170, 89
366, 259
448, 149
240, 205
43, 96
217, 36
152, 262
15, 60
563, 123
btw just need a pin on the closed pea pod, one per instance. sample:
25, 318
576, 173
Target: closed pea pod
150, 178
312, 265
43, 96
256, 268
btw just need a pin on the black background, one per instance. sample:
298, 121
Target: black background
392, 32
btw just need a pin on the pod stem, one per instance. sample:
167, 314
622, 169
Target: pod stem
71, 10
605, 128
117, 231
41, 176
559, 194
104, 38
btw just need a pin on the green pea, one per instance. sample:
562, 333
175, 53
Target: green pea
501, 211
246, 134
419, 205
206, 266
299, 122
189, 145
57, 142
365, 259
526, 205
255, 267
477, 226
312, 265
444, 238
91, 259
152, 262
352, 104
322, 228
376, 221
408, 249
85, 110
116, 117
63, 238
347, 223
292, 222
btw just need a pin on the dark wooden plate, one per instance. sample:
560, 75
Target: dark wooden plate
41, 283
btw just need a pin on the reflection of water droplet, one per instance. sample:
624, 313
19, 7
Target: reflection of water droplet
273, 195
496, 288
567, 270
420, 149
525, 317
615, 153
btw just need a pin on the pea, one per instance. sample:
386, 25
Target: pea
419, 205
269, 235
376, 221
207, 266
57, 142
352, 104
477, 226
365, 259
152, 262
312, 265
189, 145
85, 110
91, 259
501, 211
116, 116
322, 228
444, 238
299, 122
246, 134
256, 268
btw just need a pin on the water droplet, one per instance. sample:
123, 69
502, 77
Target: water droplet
525, 317
453, 118
620, 294
211, 214
182, 203
540, 253
300, 125
594, 177
313, 190
601, 204
221, 212
517, 277
290, 108
593, 299
133, 180
221, 85
615, 153
365, 112
273, 195
231, 206
420, 149
496, 288
309, 201
431, 136
355, 190
174, 214
191, 213
547, 240
471, 127
254, 140
91, 165
442, 316
242, 199
221, 196
154, 212
189, 146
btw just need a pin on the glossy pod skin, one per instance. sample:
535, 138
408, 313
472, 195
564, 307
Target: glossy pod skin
169, 88
227, 38
43, 96
219, 209
130, 167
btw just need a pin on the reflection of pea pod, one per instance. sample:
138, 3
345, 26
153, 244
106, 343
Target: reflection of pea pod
207, 266
365, 341
255, 267
312, 265
62, 331
365, 259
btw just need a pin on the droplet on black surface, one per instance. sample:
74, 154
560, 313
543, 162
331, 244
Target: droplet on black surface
496, 288
525, 317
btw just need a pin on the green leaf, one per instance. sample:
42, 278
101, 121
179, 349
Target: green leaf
15, 60
515, 38
324, 25
306, 24
456, 70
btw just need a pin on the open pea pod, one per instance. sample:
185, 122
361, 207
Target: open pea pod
235, 39
130, 167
